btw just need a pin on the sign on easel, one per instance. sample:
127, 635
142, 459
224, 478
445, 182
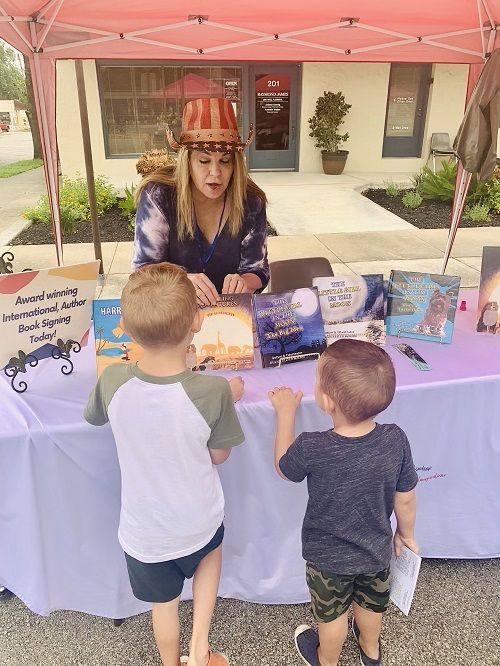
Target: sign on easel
42, 310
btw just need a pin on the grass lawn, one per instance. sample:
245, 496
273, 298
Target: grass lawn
18, 167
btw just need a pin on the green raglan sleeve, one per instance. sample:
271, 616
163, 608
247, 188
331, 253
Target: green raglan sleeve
226, 430
96, 411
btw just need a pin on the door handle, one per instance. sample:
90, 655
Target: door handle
293, 132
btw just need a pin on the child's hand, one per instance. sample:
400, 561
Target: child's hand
284, 400
237, 387
400, 541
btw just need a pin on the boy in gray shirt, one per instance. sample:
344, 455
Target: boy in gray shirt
357, 474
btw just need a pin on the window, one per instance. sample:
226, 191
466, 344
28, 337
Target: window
139, 101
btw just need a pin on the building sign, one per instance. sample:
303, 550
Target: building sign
402, 106
232, 89
272, 112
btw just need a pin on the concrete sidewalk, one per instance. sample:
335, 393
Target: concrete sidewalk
16, 194
315, 215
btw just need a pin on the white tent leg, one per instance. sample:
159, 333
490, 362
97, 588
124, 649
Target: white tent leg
462, 186
50, 163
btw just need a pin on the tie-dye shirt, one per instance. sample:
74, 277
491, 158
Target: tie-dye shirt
156, 239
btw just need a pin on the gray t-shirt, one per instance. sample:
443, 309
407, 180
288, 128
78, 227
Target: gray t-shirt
351, 483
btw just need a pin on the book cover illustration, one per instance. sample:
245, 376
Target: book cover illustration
226, 337
352, 306
422, 305
112, 344
289, 326
489, 292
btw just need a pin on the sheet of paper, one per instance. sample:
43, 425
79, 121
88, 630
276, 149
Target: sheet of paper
404, 574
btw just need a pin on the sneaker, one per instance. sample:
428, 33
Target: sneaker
307, 643
364, 660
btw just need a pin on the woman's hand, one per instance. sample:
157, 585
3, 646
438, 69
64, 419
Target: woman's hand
206, 293
235, 284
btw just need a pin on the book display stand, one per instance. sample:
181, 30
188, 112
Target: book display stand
20, 363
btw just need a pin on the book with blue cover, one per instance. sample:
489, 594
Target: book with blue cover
289, 326
352, 306
422, 305
112, 344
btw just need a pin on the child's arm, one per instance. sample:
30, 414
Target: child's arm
285, 403
237, 387
405, 508
219, 456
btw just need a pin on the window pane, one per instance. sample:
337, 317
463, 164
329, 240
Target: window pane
140, 101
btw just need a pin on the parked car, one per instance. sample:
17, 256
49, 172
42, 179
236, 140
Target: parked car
4, 127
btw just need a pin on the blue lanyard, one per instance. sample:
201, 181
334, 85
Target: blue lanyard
205, 257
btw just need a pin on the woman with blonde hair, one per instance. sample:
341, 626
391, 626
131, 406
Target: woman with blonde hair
205, 214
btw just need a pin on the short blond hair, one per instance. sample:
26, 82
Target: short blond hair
158, 305
359, 377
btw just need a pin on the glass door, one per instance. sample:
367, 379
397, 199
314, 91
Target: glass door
273, 112
406, 110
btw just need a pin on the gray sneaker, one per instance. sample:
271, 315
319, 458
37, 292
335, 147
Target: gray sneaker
307, 643
364, 660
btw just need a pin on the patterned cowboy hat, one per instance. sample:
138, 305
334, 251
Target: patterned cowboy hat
209, 124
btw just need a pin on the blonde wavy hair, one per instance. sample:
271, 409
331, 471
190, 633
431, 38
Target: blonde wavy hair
179, 177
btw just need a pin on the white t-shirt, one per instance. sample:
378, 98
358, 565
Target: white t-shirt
171, 500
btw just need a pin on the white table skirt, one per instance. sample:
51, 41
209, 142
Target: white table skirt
60, 483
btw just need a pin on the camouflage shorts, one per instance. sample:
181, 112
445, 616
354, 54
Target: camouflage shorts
332, 594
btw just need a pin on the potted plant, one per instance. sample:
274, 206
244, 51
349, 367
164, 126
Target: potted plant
331, 109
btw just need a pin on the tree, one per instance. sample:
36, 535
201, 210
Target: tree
15, 83
12, 81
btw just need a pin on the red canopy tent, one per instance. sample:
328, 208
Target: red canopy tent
449, 31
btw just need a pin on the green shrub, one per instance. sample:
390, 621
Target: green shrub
411, 199
392, 189
127, 204
416, 181
477, 212
439, 185
493, 194
74, 201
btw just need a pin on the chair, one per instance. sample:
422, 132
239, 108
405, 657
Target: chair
440, 146
295, 273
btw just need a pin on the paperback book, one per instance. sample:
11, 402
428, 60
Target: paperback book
404, 576
289, 326
112, 344
489, 291
352, 306
225, 340
422, 305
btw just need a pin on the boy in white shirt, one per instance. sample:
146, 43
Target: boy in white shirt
171, 428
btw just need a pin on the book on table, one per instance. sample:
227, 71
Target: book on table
112, 344
489, 292
352, 306
289, 326
225, 340
421, 305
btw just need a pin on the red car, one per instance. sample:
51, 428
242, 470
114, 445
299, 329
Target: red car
4, 127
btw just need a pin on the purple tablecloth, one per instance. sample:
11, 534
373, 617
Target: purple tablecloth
59, 478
